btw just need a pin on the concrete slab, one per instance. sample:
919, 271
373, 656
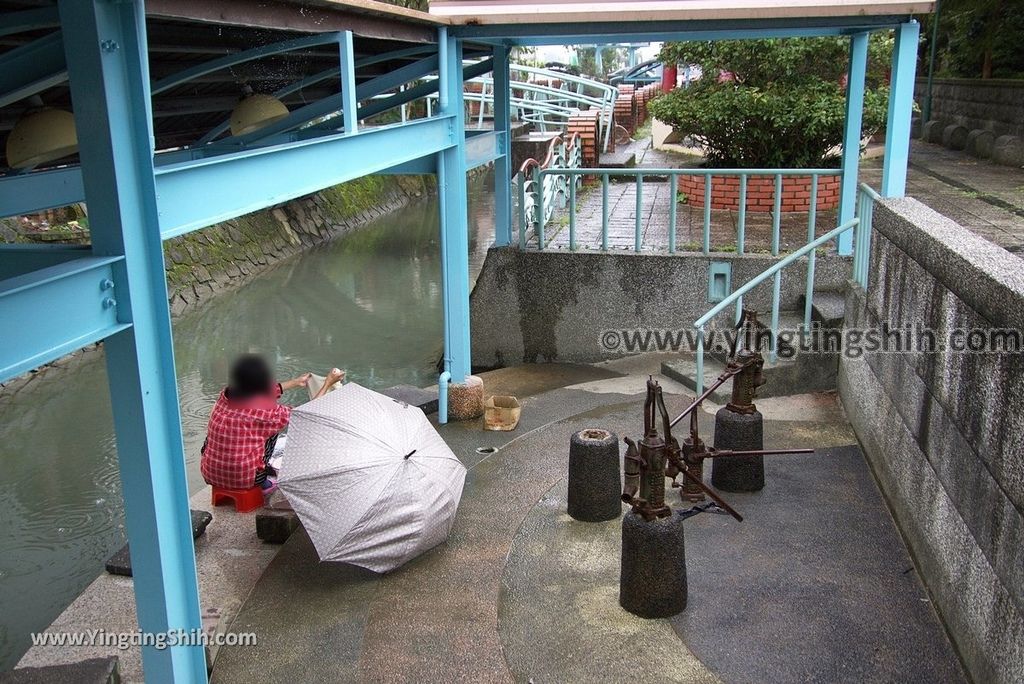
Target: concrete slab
514, 594
814, 586
121, 562
533, 379
92, 671
229, 560
424, 399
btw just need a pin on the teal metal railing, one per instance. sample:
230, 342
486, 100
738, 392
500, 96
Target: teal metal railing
860, 224
638, 175
543, 187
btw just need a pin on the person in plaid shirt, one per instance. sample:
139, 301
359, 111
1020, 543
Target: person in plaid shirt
245, 424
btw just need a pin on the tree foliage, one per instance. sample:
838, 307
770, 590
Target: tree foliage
771, 103
977, 38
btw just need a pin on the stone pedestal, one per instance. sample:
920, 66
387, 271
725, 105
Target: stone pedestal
530, 146
739, 432
466, 399
595, 484
652, 580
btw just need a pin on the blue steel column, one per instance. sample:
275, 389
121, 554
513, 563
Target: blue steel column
451, 181
503, 164
901, 104
347, 70
106, 56
851, 137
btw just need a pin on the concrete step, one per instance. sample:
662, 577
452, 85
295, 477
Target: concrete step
786, 376
789, 321
92, 671
827, 308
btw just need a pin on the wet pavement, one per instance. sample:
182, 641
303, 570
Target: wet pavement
815, 585
985, 198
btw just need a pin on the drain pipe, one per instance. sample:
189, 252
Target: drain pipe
442, 397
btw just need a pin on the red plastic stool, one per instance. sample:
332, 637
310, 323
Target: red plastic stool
245, 500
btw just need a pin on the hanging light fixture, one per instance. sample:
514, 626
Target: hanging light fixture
41, 136
255, 112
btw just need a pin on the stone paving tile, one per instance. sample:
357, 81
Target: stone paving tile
985, 198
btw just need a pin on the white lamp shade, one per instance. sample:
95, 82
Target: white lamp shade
255, 112
41, 136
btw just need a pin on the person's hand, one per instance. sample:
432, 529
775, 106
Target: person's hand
300, 381
335, 376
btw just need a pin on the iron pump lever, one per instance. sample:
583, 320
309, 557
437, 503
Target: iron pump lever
655, 457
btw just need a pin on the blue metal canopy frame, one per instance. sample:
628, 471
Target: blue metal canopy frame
116, 290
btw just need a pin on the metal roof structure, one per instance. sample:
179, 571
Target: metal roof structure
497, 12
151, 85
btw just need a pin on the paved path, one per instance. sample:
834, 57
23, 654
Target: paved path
986, 198
522, 593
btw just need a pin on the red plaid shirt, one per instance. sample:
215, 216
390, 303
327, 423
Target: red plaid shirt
237, 436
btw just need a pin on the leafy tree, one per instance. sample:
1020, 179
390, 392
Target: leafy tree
611, 59
977, 38
776, 103
422, 5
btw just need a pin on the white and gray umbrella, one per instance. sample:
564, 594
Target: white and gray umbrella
370, 479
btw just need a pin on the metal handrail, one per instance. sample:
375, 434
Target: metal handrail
533, 200
709, 174
736, 297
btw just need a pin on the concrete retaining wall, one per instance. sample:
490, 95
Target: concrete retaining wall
995, 105
943, 431
531, 307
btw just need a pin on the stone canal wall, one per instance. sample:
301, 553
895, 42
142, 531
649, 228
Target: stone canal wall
943, 431
535, 307
225, 255
995, 104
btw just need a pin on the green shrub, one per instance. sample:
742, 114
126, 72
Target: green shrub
784, 106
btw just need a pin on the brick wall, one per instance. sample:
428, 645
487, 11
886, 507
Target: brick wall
796, 192
588, 125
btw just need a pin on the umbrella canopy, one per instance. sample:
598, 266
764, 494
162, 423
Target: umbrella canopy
370, 478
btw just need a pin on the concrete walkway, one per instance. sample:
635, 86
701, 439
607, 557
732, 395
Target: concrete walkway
816, 578
985, 198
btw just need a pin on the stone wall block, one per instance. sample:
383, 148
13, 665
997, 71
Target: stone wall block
980, 143
954, 136
1008, 150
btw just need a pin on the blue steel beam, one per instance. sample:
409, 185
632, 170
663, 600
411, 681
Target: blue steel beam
675, 30
856, 73
349, 96
54, 311
16, 260
334, 103
106, 56
29, 20
31, 192
901, 106
421, 90
503, 162
451, 182
32, 68
196, 194
186, 75
323, 76
483, 148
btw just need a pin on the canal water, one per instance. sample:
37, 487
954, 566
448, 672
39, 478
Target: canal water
368, 302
